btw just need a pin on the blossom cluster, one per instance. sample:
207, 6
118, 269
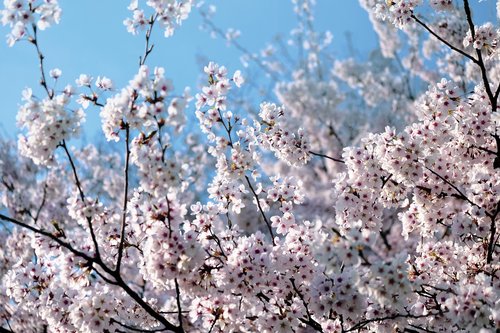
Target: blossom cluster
147, 113
485, 38
21, 14
420, 163
288, 146
142, 105
399, 12
48, 123
169, 14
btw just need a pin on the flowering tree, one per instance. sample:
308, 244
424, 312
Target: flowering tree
298, 226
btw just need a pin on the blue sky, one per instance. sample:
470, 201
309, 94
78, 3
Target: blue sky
92, 39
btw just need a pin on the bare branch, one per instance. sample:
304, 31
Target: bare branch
461, 195
442, 40
119, 280
39, 210
178, 299
260, 209
43, 80
326, 156
82, 197
362, 324
148, 48
125, 200
51, 236
135, 329
310, 320
480, 61
238, 46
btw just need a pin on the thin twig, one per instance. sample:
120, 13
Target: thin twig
443, 40
73, 168
43, 81
168, 325
385, 180
125, 200
82, 197
362, 324
326, 156
50, 236
178, 299
148, 49
213, 323
261, 210
493, 230
480, 61
310, 321
461, 194
238, 46
44, 198
333, 132
497, 93
135, 329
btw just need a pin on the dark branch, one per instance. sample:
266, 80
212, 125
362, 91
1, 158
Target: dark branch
260, 209
178, 300
442, 40
125, 201
326, 156
310, 321
82, 197
480, 61
362, 324
44, 198
43, 81
50, 236
135, 329
461, 195
4, 330
148, 48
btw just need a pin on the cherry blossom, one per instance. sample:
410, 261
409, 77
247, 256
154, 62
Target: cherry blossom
169, 14
203, 214
48, 123
24, 15
485, 37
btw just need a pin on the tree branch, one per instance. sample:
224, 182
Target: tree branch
119, 280
148, 49
43, 81
44, 198
238, 46
480, 61
178, 299
51, 236
4, 330
460, 193
82, 197
310, 321
493, 230
442, 40
136, 329
326, 156
261, 210
125, 200
363, 323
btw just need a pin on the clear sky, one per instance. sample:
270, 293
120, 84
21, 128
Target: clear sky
92, 39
